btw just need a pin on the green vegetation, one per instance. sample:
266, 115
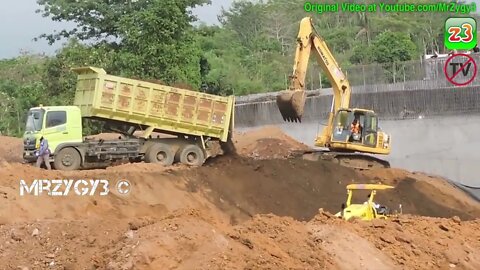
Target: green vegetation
251, 51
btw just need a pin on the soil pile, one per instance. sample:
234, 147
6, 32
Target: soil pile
266, 143
298, 188
11, 149
426, 243
236, 212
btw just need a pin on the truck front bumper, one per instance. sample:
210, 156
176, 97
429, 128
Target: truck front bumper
29, 156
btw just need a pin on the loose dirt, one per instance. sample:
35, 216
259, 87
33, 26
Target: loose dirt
249, 211
266, 143
10, 149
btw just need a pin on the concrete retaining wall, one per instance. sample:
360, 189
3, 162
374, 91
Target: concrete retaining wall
444, 142
388, 105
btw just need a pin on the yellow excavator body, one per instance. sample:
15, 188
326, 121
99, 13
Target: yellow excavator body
338, 135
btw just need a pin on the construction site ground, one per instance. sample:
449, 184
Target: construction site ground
254, 210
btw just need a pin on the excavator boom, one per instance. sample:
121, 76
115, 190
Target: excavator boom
291, 102
348, 130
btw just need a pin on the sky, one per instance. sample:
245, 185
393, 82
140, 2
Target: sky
19, 24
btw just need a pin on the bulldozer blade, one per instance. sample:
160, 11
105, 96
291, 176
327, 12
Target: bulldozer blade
291, 105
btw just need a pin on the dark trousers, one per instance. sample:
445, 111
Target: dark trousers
44, 158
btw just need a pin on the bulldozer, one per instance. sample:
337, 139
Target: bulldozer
368, 210
350, 133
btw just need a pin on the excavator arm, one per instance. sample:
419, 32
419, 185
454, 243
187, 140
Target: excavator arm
292, 101
339, 138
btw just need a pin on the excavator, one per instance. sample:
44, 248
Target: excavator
351, 134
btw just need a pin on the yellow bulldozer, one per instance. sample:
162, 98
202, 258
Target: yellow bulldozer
348, 130
368, 210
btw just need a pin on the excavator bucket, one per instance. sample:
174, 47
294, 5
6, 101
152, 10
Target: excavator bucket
291, 104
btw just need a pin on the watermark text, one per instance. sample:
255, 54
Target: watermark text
65, 187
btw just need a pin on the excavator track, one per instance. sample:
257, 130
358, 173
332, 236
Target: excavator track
351, 160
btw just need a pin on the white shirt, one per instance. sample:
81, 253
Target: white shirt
374, 204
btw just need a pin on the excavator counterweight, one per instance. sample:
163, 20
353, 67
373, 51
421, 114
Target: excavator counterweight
291, 104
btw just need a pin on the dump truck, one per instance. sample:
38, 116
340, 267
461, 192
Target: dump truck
196, 125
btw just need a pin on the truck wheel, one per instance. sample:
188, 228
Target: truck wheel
67, 159
160, 153
192, 155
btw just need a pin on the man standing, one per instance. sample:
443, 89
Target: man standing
43, 154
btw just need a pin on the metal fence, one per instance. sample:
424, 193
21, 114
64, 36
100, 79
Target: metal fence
410, 75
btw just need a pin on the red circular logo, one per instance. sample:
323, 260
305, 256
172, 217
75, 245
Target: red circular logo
462, 67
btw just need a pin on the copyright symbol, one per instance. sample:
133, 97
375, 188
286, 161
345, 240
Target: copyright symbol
123, 187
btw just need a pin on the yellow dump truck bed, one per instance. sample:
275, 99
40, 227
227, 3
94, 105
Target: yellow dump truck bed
162, 107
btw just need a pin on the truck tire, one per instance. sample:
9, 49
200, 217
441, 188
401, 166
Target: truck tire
192, 155
67, 159
160, 153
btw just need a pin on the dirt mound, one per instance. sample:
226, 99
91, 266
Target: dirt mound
268, 242
266, 143
11, 149
295, 188
236, 212
298, 188
410, 242
423, 194
426, 243
343, 246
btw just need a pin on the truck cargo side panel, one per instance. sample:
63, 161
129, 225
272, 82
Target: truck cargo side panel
159, 106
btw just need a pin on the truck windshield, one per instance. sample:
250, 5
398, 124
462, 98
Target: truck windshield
34, 120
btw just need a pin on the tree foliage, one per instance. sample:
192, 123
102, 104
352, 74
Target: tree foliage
251, 51
143, 38
101, 20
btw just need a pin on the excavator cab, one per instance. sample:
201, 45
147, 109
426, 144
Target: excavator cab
356, 126
355, 130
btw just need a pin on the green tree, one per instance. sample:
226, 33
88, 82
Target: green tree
151, 39
390, 49
362, 54
393, 47
20, 89
102, 20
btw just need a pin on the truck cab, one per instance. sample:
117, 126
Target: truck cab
57, 124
